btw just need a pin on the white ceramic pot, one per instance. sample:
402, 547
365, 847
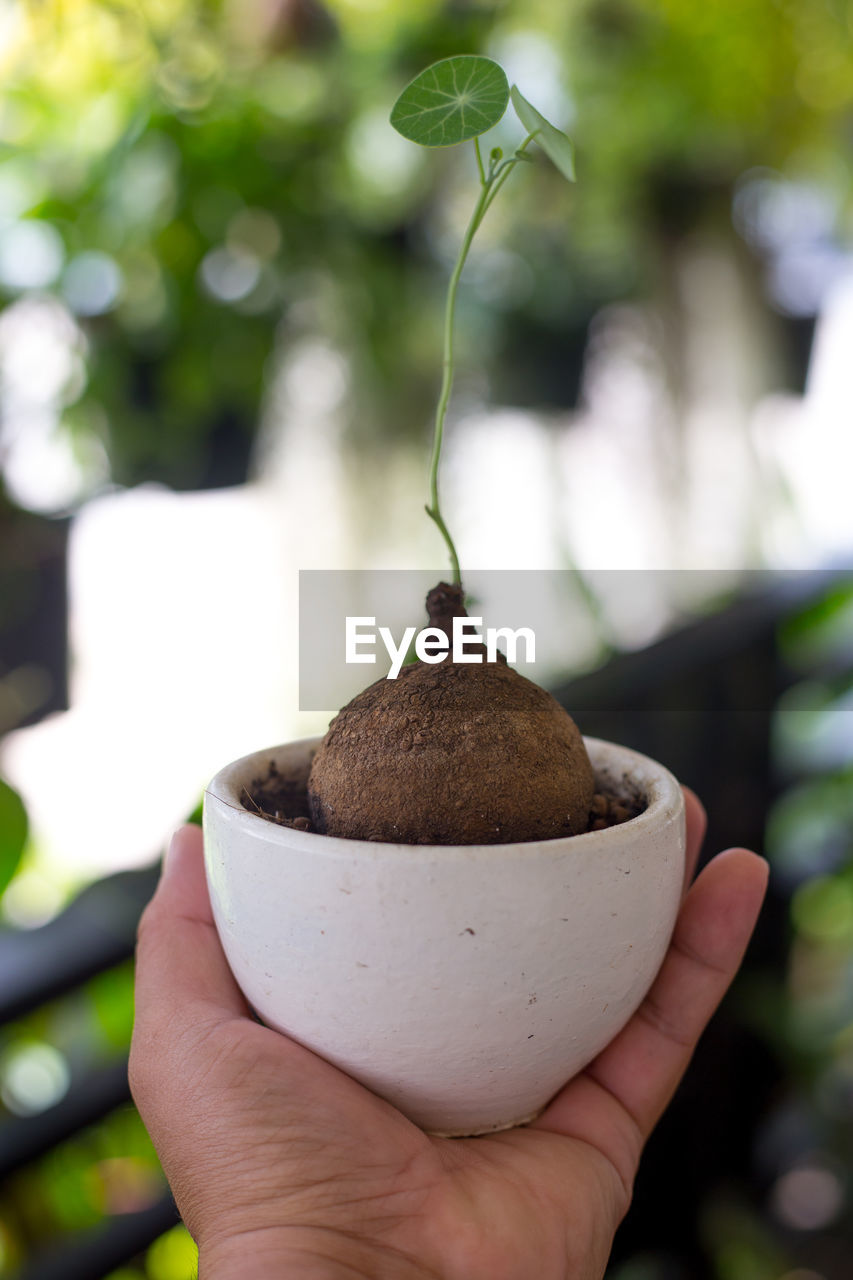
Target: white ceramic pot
463, 983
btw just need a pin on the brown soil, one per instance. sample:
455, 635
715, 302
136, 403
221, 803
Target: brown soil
281, 797
284, 800
448, 753
451, 753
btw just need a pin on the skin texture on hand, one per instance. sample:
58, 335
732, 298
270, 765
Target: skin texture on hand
282, 1166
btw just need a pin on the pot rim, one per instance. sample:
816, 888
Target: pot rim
664, 800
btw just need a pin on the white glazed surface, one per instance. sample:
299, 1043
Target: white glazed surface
464, 983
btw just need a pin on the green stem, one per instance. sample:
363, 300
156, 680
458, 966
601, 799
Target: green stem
480, 161
502, 173
433, 509
489, 188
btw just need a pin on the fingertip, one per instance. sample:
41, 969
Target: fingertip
752, 872
692, 801
183, 883
695, 815
696, 821
721, 910
185, 842
745, 863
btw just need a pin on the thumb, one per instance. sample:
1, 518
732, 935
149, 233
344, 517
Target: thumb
182, 977
184, 992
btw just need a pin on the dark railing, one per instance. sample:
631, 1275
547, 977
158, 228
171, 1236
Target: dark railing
94, 934
700, 700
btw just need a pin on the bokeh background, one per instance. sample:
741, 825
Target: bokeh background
221, 280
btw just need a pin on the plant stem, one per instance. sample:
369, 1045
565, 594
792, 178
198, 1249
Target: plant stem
489, 188
502, 173
480, 161
433, 509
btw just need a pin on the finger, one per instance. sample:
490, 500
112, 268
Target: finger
615, 1103
697, 822
642, 1067
181, 970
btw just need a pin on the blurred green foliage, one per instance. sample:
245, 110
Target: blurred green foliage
173, 1257
109, 1168
805, 1013
210, 179
13, 832
202, 182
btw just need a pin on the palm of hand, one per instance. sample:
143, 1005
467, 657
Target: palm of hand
514, 1204
271, 1150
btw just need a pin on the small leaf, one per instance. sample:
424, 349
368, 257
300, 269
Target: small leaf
452, 101
553, 141
13, 832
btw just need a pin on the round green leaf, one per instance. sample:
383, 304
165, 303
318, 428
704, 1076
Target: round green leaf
552, 140
452, 101
13, 832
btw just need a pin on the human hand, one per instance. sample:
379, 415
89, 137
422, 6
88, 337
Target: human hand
283, 1166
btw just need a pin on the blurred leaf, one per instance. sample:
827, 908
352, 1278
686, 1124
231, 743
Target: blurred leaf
173, 1257
553, 141
13, 832
821, 632
111, 994
740, 1242
65, 1188
810, 828
452, 101
822, 910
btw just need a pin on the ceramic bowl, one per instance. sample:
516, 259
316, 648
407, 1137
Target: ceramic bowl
464, 983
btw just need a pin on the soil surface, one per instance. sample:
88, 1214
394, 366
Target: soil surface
284, 799
280, 796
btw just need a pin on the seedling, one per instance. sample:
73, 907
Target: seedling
453, 101
458, 747
455, 753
